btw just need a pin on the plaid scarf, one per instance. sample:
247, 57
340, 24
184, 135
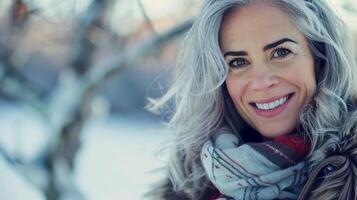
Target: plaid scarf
267, 170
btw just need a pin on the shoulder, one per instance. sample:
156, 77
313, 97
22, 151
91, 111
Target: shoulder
334, 177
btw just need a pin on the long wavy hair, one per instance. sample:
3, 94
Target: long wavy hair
201, 71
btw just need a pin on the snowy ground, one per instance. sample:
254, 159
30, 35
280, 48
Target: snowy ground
115, 161
118, 157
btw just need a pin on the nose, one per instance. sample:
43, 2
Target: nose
264, 80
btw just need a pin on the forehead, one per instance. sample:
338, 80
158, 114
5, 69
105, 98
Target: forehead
260, 22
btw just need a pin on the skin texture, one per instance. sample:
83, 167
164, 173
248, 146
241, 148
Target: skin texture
266, 73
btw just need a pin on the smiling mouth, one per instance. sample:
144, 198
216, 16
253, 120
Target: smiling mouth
273, 104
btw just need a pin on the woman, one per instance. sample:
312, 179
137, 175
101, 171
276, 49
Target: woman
264, 92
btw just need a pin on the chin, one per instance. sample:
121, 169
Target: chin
272, 132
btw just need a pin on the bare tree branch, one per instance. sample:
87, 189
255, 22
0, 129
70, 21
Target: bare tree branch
104, 70
68, 141
13, 88
13, 83
9, 159
67, 116
87, 26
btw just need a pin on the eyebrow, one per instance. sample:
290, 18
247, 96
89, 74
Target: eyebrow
266, 47
276, 43
235, 53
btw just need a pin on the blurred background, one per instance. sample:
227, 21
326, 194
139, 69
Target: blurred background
75, 76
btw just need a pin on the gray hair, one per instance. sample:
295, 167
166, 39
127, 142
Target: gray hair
202, 70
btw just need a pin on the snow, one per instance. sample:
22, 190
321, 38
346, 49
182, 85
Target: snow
116, 159
13, 185
20, 136
22, 132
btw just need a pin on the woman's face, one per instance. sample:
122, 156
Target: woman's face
271, 67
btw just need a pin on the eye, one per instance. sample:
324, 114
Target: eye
281, 52
238, 62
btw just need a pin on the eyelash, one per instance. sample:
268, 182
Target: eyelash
231, 63
286, 52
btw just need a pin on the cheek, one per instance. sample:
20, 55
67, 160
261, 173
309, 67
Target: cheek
305, 77
302, 76
235, 86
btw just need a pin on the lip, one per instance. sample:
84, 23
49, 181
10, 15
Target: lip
269, 100
275, 111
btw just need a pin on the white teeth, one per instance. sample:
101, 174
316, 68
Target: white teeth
281, 100
265, 106
271, 105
